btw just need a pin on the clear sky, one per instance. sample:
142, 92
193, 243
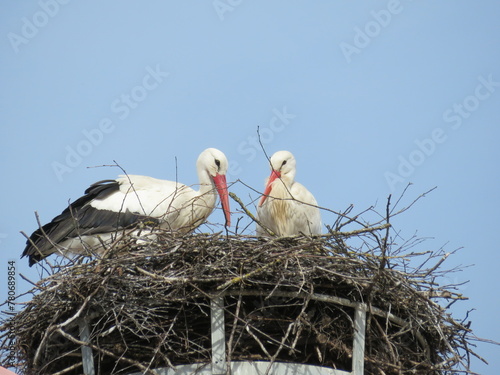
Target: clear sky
368, 95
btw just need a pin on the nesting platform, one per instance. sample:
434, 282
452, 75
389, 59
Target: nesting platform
342, 303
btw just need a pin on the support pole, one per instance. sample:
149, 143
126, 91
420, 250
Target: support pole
87, 357
358, 357
218, 336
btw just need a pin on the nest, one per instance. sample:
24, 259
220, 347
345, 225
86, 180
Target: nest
151, 308
285, 300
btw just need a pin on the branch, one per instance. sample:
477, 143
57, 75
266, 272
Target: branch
249, 214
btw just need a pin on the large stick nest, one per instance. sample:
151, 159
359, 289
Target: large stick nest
148, 305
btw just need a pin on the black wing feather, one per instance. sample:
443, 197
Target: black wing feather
78, 219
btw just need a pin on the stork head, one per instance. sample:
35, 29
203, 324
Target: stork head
215, 163
282, 166
284, 163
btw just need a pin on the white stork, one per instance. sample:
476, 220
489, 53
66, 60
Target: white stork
287, 208
111, 206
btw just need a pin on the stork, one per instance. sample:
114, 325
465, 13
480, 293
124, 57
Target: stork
287, 208
110, 207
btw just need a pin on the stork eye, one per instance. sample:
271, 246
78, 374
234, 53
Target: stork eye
284, 162
217, 163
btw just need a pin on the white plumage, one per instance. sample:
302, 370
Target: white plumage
287, 208
128, 203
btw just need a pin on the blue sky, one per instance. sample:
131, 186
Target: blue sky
369, 96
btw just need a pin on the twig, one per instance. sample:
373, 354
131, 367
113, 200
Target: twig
249, 214
355, 232
107, 352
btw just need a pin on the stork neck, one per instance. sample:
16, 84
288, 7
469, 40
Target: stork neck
283, 181
281, 187
206, 182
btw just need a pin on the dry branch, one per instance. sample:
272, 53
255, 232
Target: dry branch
286, 299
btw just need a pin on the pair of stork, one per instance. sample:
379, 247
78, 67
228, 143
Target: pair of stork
111, 207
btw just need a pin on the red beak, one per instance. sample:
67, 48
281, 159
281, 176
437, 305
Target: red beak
221, 185
274, 175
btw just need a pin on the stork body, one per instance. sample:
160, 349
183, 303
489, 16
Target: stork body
287, 208
111, 207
